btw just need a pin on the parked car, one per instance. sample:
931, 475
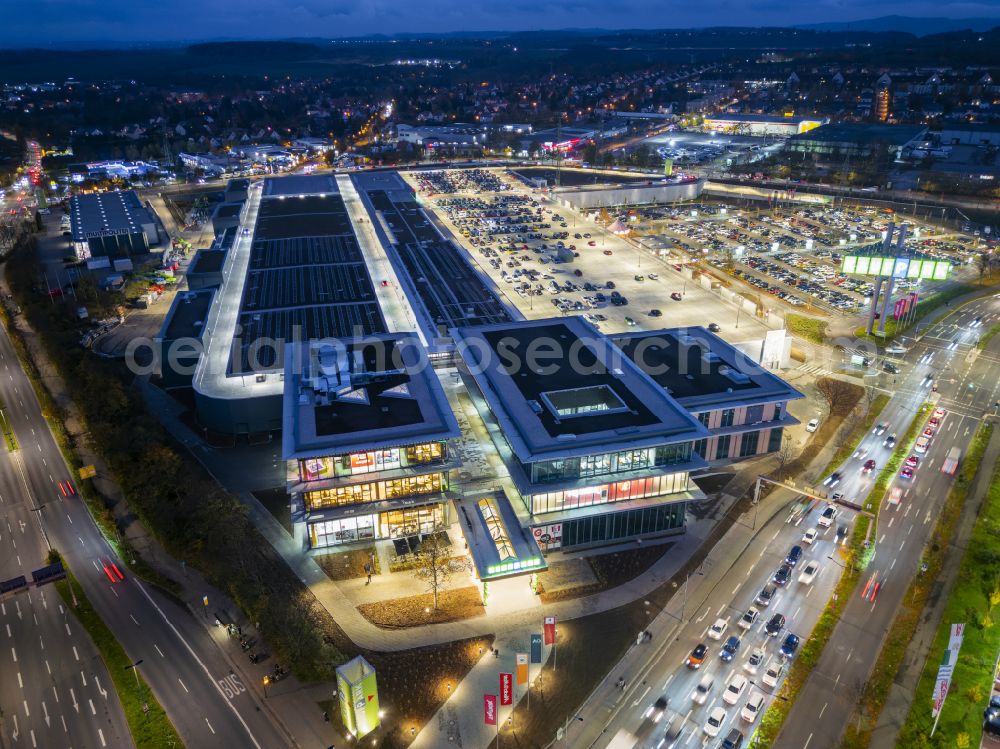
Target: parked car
813, 425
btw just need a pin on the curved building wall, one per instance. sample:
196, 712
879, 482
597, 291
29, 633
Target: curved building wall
249, 415
630, 195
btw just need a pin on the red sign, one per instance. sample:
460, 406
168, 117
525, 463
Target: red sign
550, 630
490, 709
506, 689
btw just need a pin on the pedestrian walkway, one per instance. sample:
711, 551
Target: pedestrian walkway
814, 369
901, 696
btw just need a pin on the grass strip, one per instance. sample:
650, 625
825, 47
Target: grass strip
974, 601
150, 729
904, 626
860, 430
809, 328
855, 557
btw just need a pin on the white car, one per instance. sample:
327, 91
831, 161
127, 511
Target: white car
734, 689
714, 723
717, 630
757, 656
813, 425
773, 672
810, 535
809, 573
754, 706
746, 621
827, 518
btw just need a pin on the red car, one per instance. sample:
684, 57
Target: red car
906, 473
869, 466
592, 243
608, 252
913, 461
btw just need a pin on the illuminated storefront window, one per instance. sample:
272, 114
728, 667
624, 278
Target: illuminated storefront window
315, 469
372, 492
619, 491
602, 465
410, 521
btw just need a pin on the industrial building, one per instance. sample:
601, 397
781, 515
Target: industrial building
107, 226
856, 140
762, 124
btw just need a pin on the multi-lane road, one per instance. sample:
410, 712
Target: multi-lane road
45, 648
967, 390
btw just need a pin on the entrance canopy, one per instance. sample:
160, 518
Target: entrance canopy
499, 545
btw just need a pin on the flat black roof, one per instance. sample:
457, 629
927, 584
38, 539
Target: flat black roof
700, 370
560, 388
451, 289
354, 395
228, 210
107, 213
862, 133
300, 184
207, 261
306, 276
187, 315
564, 378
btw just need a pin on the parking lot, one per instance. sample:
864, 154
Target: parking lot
547, 259
793, 254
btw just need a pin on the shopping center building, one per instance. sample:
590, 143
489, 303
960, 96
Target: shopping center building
596, 449
366, 440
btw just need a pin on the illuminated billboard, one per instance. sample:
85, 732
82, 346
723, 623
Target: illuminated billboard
896, 267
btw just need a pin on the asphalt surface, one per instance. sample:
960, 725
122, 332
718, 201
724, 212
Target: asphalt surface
182, 664
967, 390
55, 687
799, 602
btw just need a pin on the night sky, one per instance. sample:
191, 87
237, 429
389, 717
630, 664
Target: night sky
41, 22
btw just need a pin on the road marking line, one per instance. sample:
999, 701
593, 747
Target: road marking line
27, 712
823, 709
189, 691
76, 654
100, 735
210, 727
159, 651
92, 708
194, 655
20, 682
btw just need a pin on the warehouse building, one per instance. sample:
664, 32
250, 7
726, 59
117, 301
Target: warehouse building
762, 124
856, 140
107, 226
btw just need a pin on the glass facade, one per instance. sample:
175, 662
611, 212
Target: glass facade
619, 491
314, 469
603, 528
429, 483
607, 463
748, 444
722, 446
728, 416
409, 521
774, 441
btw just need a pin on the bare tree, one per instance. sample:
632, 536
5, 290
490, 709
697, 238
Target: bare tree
438, 565
871, 394
984, 263
838, 395
785, 453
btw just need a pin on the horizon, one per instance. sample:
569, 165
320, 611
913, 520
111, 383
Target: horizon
116, 30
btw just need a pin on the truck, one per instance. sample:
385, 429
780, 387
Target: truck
950, 465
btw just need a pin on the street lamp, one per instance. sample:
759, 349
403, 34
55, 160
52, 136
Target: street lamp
265, 681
